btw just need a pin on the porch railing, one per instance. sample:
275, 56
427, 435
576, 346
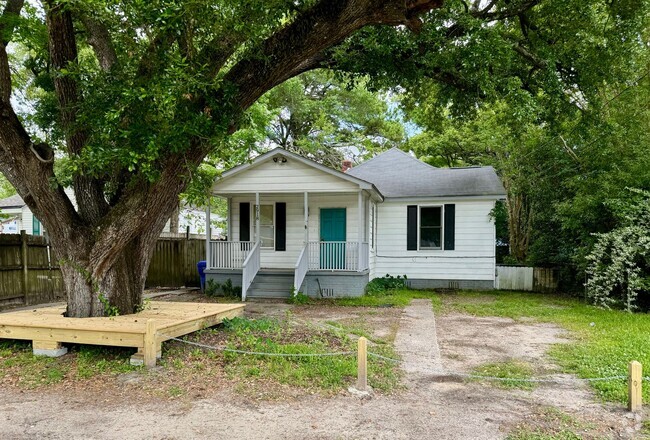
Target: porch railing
249, 269
229, 254
301, 269
338, 255
364, 256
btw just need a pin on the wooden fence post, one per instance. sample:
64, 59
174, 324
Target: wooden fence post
635, 381
25, 267
362, 364
150, 347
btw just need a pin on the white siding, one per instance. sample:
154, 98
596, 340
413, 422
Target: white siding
372, 240
27, 221
472, 259
295, 222
292, 176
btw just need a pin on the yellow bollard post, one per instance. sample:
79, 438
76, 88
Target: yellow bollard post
362, 364
635, 381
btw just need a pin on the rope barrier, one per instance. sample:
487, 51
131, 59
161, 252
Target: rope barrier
378, 356
533, 380
541, 379
260, 353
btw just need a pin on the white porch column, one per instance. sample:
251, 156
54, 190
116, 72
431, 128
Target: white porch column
257, 218
207, 234
306, 208
228, 219
360, 228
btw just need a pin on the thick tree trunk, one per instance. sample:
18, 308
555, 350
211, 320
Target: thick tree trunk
116, 290
174, 220
519, 226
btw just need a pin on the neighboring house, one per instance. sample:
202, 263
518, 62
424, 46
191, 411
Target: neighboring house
194, 219
16, 216
295, 223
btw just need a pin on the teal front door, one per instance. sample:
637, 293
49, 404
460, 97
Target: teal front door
332, 237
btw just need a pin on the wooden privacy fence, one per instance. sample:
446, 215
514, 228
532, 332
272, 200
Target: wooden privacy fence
534, 279
27, 274
173, 263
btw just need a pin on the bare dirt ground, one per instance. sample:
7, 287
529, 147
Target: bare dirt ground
428, 407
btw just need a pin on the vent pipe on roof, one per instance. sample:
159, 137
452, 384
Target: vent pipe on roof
346, 165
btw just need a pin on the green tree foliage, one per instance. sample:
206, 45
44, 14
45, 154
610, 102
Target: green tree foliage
326, 119
563, 151
6, 189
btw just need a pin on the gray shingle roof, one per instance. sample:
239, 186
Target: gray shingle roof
398, 174
12, 202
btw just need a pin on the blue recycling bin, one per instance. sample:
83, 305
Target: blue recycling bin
201, 267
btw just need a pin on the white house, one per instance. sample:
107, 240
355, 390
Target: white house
295, 223
17, 216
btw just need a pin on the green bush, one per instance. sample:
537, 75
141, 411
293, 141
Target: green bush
389, 282
212, 288
299, 298
619, 262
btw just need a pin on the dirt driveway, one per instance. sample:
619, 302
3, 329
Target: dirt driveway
428, 407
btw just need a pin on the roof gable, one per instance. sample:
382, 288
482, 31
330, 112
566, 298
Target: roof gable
283, 170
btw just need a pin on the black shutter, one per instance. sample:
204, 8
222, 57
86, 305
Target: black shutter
244, 222
450, 227
280, 226
412, 228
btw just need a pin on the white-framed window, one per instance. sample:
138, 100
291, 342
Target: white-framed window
430, 227
267, 225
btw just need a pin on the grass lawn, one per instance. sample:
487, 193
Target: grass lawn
604, 340
392, 298
328, 374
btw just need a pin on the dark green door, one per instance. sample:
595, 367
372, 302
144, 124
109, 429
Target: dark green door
332, 236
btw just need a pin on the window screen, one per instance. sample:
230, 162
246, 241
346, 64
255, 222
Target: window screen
431, 227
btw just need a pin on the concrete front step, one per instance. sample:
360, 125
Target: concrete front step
271, 285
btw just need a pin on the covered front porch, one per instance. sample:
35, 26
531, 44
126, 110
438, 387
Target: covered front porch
292, 225
279, 241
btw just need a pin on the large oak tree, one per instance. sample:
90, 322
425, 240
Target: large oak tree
129, 97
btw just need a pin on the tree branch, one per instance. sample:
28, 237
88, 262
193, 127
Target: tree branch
31, 177
8, 20
63, 54
100, 40
7, 23
504, 13
326, 24
532, 58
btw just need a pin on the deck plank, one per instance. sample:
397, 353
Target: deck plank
171, 319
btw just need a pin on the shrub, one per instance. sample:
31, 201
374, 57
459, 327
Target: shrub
298, 297
389, 282
212, 288
619, 263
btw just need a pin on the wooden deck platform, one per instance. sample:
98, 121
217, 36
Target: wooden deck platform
47, 328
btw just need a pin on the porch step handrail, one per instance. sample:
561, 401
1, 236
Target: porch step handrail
229, 254
249, 269
301, 269
350, 256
